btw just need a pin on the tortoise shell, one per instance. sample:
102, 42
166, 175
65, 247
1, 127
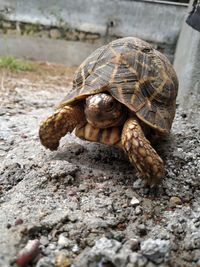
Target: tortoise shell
134, 73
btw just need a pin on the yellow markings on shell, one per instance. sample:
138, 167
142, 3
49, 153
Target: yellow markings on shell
130, 68
90, 133
83, 76
105, 136
147, 79
101, 67
109, 136
80, 132
113, 51
158, 89
115, 136
94, 80
113, 74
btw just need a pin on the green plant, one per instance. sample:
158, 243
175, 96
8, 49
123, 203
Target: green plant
11, 63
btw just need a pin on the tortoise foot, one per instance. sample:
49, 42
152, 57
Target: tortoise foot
57, 125
141, 154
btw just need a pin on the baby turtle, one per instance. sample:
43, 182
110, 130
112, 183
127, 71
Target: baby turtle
122, 94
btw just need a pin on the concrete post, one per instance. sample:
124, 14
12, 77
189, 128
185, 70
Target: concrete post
187, 65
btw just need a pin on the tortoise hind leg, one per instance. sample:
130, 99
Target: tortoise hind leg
64, 120
140, 152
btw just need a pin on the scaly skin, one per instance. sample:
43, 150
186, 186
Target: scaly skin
140, 152
60, 123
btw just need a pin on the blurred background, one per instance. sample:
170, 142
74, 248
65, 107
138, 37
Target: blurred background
67, 31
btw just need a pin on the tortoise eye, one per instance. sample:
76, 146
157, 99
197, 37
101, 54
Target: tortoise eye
146, 50
110, 105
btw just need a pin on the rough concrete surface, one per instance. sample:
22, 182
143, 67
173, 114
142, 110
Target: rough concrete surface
83, 202
160, 24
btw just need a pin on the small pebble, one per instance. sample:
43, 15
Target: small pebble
54, 34
138, 184
82, 188
52, 246
19, 221
138, 210
44, 241
142, 229
75, 249
8, 226
62, 260
63, 241
72, 192
156, 250
28, 253
174, 201
134, 244
134, 201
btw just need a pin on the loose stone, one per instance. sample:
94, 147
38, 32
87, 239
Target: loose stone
28, 253
134, 201
174, 201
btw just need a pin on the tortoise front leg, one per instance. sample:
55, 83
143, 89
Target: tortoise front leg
140, 152
64, 120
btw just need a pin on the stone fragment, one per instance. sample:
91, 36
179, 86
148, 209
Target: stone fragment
174, 201
44, 240
134, 201
142, 230
46, 262
28, 253
62, 259
63, 241
54, 34
156, 250
75, 249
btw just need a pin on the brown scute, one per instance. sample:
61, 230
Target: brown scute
135, 74
147, 88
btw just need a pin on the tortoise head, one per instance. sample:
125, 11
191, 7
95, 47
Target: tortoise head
103, 111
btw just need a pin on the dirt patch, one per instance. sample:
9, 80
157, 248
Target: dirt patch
83, 202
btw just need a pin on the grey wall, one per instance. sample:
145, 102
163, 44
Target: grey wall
150, 21
45, 49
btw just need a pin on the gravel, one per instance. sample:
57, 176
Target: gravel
83, 202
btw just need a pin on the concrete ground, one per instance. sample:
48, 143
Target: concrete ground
83, 202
